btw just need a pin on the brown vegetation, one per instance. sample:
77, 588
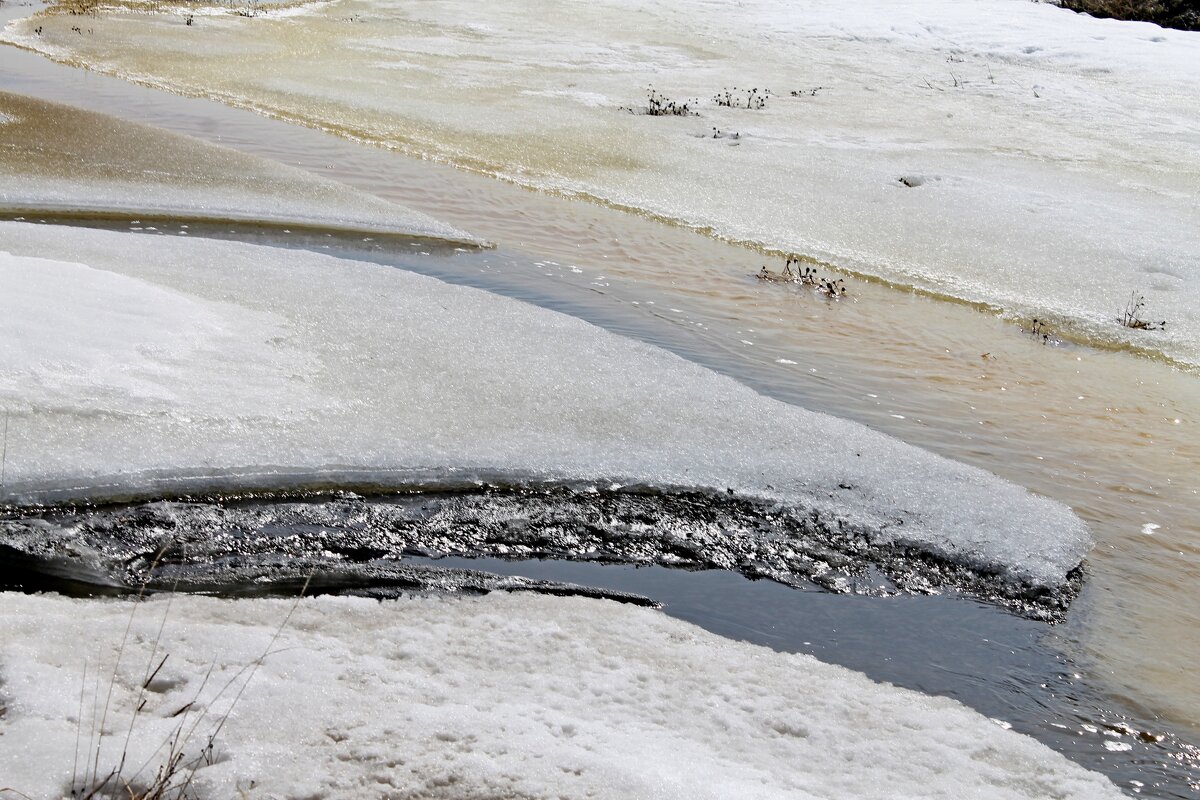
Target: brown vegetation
1182, 14
1131, 317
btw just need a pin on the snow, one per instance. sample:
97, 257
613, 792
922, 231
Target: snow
137, 364
88, 330
1052, 157
55, 158
288, 8
500, 696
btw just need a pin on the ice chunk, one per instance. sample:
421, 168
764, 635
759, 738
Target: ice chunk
55, 158
140, 364
501, 696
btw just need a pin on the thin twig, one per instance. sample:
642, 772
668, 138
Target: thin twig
78, 728
92, 737
113, 681
257, 664
153, 653
170, 740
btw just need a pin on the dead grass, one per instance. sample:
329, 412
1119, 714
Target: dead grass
1181, 14
171, 770
1131, 316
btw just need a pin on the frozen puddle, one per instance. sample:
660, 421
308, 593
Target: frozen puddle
60, 160
502, 696
143, 366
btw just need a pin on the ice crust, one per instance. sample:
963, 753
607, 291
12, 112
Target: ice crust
139, 364
59, 159
502, 696
1054, 156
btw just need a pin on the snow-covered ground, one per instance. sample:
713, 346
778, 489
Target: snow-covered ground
501, 696
143, 364
58, 159
1050, 160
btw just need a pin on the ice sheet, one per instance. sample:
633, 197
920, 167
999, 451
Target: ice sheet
502, 696
1051, 159
55, 158
136, 363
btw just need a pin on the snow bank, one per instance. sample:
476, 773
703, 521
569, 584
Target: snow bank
502, 696
55, 158
142, 364
1053, 158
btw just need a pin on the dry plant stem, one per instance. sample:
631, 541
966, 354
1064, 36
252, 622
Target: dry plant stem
164, 780
267, 651
149, 676
108, 698
9, 790
92, 736
172, 740
78, 728
1131, 317
98, 736
176, 774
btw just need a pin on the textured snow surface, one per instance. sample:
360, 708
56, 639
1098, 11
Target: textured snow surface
1051, 159
142, 363
55, 158
501, 696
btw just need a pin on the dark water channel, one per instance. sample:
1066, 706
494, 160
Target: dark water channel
1006, 666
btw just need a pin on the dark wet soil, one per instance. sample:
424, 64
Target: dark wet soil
360, 540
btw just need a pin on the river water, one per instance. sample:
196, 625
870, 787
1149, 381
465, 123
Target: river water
1080, 418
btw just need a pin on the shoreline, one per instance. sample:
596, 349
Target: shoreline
1089, 326
1066, 330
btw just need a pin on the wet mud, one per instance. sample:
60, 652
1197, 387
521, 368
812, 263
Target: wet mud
355, 544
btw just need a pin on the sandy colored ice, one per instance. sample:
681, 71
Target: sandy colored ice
60, 160
1049, 160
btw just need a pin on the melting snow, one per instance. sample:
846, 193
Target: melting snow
975, 149
501, 696
135, 363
